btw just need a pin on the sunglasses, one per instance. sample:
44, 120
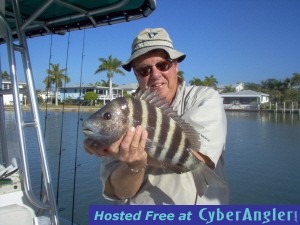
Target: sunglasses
161, 66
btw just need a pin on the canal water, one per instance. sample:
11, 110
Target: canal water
262, 160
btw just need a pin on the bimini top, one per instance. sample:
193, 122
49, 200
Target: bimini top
41, 17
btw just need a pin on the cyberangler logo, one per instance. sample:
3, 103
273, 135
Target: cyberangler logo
247, 215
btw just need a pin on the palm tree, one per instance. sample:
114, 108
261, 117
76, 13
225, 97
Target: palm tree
110, 65
97, 83
104, 83
210, 81
228, 89
295, 80
252, 86
55, 76
196, 81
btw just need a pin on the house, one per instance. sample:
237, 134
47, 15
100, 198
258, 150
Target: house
245, 99
77, 92
129, 88
6, 91
47, 96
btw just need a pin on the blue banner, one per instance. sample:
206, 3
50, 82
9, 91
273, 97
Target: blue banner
187, 214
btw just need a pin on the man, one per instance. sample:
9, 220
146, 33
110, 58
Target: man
127, 174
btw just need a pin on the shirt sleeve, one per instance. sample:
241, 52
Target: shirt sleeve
107, 165
205, 112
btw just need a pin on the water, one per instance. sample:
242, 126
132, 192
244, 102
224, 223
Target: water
262, 160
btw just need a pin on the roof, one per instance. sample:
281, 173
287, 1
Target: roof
244, 93
87, 87
41, 17
4, 81
84, 87
131, 86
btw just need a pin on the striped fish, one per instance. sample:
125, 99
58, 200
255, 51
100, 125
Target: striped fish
170, 138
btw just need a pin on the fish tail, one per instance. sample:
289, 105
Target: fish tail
205, 177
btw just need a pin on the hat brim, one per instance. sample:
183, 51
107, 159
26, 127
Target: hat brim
173, 54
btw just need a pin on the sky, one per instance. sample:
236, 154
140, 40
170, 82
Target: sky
234, 40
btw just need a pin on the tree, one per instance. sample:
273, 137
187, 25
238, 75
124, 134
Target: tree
210, 81
55, 77
96, 84
196, 81
252, 86
295, 80
5, 75
91, 97
110, 65
228, 89
104, 83
270, 84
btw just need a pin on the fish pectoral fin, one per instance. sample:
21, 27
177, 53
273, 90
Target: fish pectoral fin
203, 158
204, 177
175, 168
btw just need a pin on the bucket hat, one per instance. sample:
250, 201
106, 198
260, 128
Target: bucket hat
150, 39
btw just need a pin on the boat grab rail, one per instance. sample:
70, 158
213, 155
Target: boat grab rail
50, 205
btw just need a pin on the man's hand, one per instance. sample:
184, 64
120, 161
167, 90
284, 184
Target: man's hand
129, 149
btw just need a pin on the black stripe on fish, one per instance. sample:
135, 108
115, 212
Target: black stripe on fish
152, 119
123, 104
163, 134
172, 145
167, 142
175, 144
137, 112
186, 154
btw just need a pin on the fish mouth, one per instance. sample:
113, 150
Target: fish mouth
88, 132
92, 134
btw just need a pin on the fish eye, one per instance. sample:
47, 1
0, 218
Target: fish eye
107, 116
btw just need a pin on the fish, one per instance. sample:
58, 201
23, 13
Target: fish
171, 140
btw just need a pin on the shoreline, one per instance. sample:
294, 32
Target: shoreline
58, 108
290, 111
68, 108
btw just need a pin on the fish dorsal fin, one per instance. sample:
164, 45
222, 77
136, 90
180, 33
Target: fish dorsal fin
138, 94
159, 102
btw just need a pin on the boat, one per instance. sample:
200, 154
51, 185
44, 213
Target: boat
20, 20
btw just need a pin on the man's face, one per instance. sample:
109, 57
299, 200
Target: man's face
154, 70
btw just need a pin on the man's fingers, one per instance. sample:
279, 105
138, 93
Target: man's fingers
143, 141
136, 139
127, 140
